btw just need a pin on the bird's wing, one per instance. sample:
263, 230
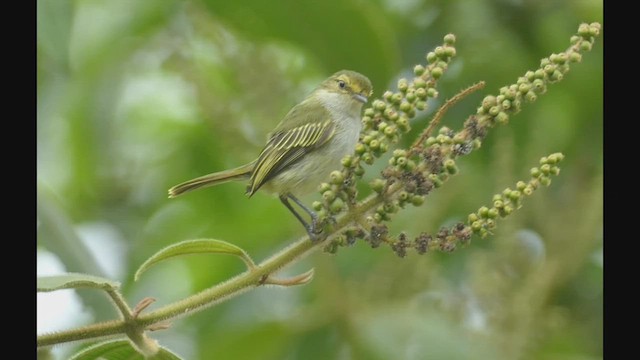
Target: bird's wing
286, 146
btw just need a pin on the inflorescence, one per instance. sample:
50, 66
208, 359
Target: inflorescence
414, 172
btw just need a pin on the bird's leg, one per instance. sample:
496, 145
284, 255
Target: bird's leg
312, 229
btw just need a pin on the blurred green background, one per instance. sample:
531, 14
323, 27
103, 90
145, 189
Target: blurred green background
136, 96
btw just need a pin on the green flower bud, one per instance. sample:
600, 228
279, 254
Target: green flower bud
403, 196
575, 39
524, 88
431, 57
396, 98
442, 64
439, 50
493, 213
411, 96
401, 162
421, 93
379, 105
432, 93
324, 187
515, 195
328, 196
575, 57
450, 166
389, 131
436, 180
535, 172
531, 96
373, 144
502, 118
473, 217
387, 95
494, 111
545, 169
506, 211
561, 58
545, 180
527, 190
347, 161
539, 85
419, 83
549, 69
498, 204
417, 200
336, 177
377, 217
359, 171
390, 208
496, 197
403, 85
367, 158
476, 226
403, 123
360, 148
430, 141
450, 51
405, 106
554, 170
491, 224
316, 205
369, 112
443, 139
421, 105
336, 206
444, 130
418, 70
449, 39
436, 72
483, 212
556, 76
584, 30
530, 75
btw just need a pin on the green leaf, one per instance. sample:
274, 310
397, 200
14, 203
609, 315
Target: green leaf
74, 281
195, 247
340, 34
120, 350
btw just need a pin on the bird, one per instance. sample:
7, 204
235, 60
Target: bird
301, 151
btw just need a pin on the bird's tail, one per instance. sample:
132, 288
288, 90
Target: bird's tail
239, 173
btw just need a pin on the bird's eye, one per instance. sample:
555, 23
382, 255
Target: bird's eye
342, 84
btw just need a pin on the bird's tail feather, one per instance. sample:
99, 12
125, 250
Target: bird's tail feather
239, 173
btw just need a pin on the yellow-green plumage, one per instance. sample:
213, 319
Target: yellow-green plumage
305, 146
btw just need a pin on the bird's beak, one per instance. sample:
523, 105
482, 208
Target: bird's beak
363, 99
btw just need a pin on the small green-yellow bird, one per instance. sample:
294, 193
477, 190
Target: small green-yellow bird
304, 148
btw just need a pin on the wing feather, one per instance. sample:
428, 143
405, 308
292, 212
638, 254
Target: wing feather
285, 147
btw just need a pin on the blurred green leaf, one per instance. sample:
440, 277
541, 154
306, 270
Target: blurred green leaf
54, 20
341, 34
120, 350
74, 281
198, 246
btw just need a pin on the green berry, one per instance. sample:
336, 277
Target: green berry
449, 39
336, 177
